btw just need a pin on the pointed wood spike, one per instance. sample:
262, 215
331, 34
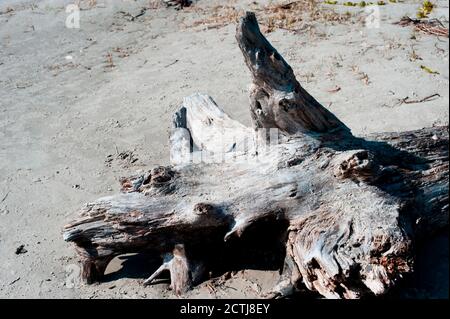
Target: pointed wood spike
277, 98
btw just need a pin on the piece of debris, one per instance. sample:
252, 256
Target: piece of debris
5, 197
141, 13
365, 78
76, 186
109, 61
126, 157
109, 159
154, 4
428, 70
122, 53
425, 10
414, 56
157, 218
211, 288
335, 89
406, 100
21, 250
170, 64
362, 76
430, 26
293, 16
177, 4
14, 281
133, 17
7, 10
23, 85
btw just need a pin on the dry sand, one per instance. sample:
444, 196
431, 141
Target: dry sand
69, 98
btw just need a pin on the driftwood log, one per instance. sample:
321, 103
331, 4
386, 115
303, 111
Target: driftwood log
178, 4
336, 214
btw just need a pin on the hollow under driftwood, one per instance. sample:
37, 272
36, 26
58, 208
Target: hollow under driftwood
342, 212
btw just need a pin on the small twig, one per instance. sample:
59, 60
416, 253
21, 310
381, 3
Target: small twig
286, 28
432, 26
166, 66
211, 288
4, 197
438, 21
23, 86
229, 287
143, 10
335, 89
425, 99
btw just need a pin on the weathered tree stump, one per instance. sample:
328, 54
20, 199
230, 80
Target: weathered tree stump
343, 212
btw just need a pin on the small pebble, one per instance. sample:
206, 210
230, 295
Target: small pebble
21, 250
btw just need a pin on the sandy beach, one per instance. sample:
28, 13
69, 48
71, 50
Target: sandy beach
82, 107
